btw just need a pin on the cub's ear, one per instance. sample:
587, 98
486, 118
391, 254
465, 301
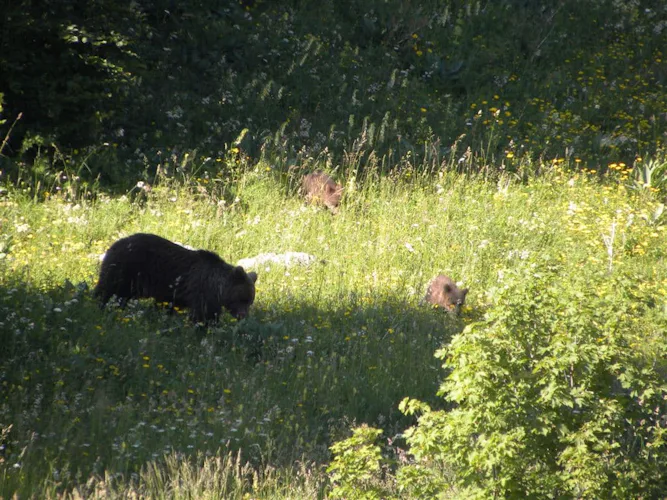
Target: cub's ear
464, 292
253, 276
447, 288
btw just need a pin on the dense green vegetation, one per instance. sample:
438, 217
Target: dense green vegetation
515, 146
117, 89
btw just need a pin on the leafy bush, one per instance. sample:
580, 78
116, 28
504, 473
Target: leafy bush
555, 395
356, 465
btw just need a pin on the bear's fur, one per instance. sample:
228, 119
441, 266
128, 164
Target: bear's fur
443, 292
149, 266
319, 188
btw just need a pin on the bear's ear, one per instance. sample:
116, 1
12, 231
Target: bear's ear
464, 292
238, 272
447, 288
253, 276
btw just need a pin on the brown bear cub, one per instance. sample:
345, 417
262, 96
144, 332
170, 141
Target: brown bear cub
318, 187
148, 266
443, 292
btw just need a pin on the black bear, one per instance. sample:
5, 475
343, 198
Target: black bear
149, 266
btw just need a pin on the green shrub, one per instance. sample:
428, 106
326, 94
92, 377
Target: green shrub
356, 466
555, 395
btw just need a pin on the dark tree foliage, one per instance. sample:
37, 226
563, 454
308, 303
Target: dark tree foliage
64, 65
308, 80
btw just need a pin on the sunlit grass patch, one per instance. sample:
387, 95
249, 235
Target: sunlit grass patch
340, 340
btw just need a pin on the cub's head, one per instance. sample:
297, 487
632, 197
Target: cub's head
322, 189
333, 192
443, 292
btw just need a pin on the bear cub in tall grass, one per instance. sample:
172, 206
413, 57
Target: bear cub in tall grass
443, 292
149, 266
319, 188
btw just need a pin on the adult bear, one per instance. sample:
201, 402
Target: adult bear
149, 266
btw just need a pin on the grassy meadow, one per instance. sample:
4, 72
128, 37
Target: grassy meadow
139, 402
518, 147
